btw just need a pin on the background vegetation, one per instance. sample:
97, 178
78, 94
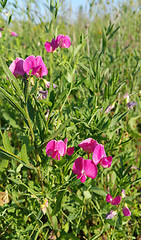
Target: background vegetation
101, 66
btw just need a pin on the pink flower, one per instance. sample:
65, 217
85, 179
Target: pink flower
14, 34
88, 145
16, 67
63, 41
84, 167
99, 156
55, 149
111, 214
47, 84
114, 201
70, 150
0, 35
123, 193
35, 64
126, 211
51, 46
43, 208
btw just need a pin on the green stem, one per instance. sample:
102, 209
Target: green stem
29, 123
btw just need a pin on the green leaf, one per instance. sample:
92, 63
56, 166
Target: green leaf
98, 191
77, 49
57, 207
13, 102
6, 142
24, 155
12, 79
113, 33
6, 153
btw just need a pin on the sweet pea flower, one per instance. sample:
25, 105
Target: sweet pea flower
70, 150
43, 94
84, 168
51, 46
123, 193
1, 29
35, 64
0, 35
126, 211
14, 34
63, 41
99, 156
47, 84
88, 145
114, 201
111, 214
16, 67
55, 149
131, 104
43, 208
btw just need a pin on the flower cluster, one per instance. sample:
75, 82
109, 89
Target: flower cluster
116, 201
62, 41
57, 149
87, 167
14, 34
32, 64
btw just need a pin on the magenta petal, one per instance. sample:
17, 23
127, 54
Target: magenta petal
116, 200
55, 155
83, 179
78, 165
66, 42
90, 169
98, 153
105, 162
61, 147
29, 63
126, 211
50, 148
36, 69
48, 47
16, 67
109, 198
70, 151
88, 145
66, 142
63, 41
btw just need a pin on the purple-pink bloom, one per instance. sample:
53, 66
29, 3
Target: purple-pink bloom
113, 201
43, 94
51, 46
88, 145
55, 149
123, 193
1, 29
47, 84
126, 211
131, 104
0, 35
63, 41
16, 67
35, 64
14, 34
69, 150
111, 214
99, 156
84, 168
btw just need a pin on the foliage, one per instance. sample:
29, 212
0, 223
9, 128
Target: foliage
96, 71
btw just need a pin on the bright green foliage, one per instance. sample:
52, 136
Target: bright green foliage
102, 64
